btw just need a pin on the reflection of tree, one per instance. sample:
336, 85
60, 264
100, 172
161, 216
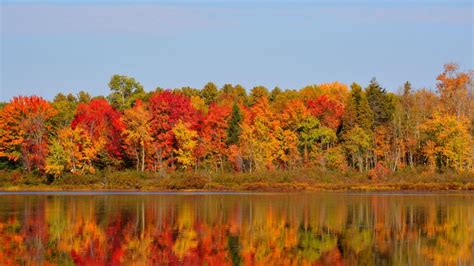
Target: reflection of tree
358, 243
187, 236
234, 249
256, 231
449, 243
312, 245
12, 246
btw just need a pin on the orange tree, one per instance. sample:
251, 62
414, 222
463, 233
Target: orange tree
25, 124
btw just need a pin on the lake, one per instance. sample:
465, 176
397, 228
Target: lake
241, 229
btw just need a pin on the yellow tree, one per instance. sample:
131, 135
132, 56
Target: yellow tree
137, 133
335, 90
290, 116
73, 150
199, 104
287, 155
388, 145
259, 143
447, 142
357, 143
186, 142
56, 160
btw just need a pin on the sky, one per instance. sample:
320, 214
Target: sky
49, 47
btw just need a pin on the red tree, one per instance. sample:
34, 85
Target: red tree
328, 111
166, 110
103, 123
213, 135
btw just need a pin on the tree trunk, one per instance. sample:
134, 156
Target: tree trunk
143, 158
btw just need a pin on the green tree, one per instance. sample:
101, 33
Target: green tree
314, 138
125, 90
357, 144
66, 107
358, 111
83, 97
274, 93
187, 91
308, 136
257, 93
237, 92
405, 111
380, 102
234, 129
209, 93
56, 162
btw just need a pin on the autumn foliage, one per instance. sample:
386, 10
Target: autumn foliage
103, 124
25, 127
327, 125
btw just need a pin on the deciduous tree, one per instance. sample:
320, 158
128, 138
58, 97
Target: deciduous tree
327, 110
357, 144
104, 125
137, 133
25, 126
257, 93
186, 142
447, 142
125, 91
453, 89
258, 142
213, 135
166, 110
73, 150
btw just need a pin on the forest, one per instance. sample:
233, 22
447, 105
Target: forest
331, 127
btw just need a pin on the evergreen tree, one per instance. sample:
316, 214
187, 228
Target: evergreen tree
380, 102
407, 88
274, 93
209, 92
358, 111
233, 131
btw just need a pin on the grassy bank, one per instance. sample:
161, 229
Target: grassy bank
274, 181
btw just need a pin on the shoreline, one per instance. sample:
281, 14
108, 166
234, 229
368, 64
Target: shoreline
297, 180
275, 188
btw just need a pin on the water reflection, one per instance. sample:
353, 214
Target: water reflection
271, 229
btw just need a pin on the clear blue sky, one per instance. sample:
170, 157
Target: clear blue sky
66, 46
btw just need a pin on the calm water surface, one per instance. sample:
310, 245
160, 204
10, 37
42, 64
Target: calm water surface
239, 229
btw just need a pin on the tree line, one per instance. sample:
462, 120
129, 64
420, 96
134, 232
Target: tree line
329, 125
